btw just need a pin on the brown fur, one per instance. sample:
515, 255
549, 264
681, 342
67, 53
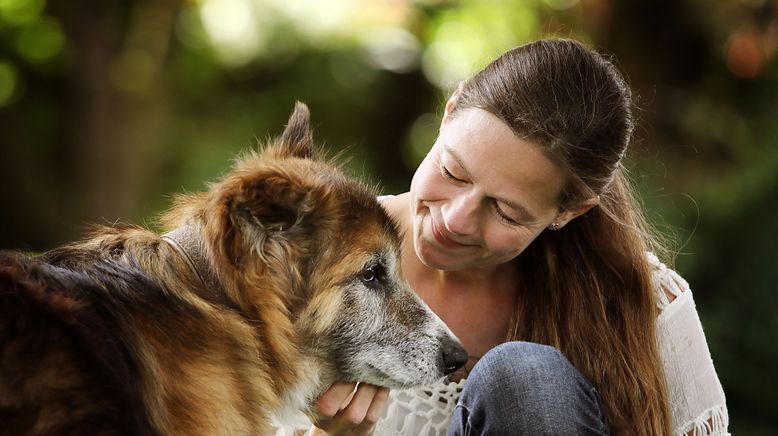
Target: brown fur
116, 335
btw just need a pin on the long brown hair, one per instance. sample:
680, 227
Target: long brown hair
587, 288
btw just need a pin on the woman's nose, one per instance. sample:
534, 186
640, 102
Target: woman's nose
460, 215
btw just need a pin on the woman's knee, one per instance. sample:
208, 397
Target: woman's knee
533, 375
523, 366
531, 388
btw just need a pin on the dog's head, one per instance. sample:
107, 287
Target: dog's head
314, 259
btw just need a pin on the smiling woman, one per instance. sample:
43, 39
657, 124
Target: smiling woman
522, 234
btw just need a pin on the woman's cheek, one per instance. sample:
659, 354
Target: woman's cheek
511, 242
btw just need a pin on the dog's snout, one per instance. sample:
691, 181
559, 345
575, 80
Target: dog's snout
452, 355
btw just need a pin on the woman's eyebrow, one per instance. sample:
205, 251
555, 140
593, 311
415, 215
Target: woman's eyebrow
525, 214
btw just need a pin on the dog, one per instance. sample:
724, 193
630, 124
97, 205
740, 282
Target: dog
279, 280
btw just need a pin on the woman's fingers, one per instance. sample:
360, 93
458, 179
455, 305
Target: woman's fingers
375, 410
358, 412
334, 399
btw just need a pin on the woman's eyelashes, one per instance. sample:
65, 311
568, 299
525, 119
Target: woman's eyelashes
503, 216
449, 175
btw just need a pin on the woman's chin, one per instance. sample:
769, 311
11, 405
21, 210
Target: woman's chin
433, 257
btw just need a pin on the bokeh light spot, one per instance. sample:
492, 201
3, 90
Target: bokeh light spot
7, 83
453, 54
744, 55
233, 30
393, 48
466, 39
20, 12
40, 41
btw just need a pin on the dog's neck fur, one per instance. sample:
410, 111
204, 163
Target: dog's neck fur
186, 240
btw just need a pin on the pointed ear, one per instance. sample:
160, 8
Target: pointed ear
297, 140
581, 208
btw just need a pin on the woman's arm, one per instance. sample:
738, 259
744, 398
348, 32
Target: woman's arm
697, 400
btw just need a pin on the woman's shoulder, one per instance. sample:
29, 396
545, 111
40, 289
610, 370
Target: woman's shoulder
669, 285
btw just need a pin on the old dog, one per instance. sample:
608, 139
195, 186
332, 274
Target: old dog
280, 279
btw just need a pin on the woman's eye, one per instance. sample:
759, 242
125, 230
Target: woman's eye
448, 174
504, 217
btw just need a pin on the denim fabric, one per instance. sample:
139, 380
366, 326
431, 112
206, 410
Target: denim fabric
522, 388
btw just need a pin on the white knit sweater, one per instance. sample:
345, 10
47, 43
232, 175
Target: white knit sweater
696, 397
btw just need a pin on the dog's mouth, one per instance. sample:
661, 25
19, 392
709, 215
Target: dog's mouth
382, 378
381, 375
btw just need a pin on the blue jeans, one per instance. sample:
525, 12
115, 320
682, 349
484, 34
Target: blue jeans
522, 388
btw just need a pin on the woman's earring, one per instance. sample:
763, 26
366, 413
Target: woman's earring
553, 226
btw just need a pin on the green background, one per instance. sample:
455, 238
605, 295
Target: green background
107, 108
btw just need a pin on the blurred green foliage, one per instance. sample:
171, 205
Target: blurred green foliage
109, 107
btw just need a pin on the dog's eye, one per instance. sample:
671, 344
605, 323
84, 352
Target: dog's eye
371, 274
368, 274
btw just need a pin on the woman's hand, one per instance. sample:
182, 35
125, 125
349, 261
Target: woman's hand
342, 411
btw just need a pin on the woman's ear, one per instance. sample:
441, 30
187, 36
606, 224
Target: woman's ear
570, 214
452, 103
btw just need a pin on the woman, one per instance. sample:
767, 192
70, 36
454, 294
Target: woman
522, 235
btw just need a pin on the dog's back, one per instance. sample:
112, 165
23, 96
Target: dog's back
63, 367
94, 345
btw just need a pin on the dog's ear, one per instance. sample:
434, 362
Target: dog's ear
270, 206
297, 140
274, 203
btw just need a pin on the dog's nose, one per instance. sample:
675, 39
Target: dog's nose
452, 355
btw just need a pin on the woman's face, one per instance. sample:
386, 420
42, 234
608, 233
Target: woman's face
481, 195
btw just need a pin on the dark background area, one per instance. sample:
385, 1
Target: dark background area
107, 108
